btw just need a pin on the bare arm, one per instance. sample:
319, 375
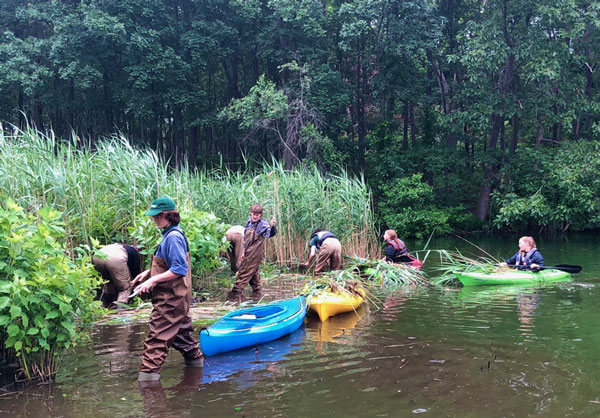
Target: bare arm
162, 277
310, 259
140, 277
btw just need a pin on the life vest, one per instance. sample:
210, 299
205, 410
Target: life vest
399, 246
321, 237
400, 250
524, 261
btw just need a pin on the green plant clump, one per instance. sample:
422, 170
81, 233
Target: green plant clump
46, 297
204, 231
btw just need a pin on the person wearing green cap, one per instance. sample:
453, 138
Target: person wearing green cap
170, 281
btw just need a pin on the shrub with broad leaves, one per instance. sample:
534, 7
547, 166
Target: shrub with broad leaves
46, 295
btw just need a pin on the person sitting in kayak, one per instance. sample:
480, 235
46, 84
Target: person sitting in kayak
396, 251
327, 248
527, 257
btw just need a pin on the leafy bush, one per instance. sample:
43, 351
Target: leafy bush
556, 189
433, 200
46, 297
408, 208
204, 231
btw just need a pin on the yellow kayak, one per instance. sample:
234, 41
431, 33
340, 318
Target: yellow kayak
329, 303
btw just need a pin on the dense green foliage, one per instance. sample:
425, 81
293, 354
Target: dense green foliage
46, 297
556, 190
454, 90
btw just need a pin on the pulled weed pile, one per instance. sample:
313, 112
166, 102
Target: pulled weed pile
455, 261
382, 274
342, 282
365, 274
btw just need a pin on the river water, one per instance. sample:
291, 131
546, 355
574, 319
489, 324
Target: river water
438, 352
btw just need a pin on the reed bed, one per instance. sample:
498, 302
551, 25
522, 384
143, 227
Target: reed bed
101, 188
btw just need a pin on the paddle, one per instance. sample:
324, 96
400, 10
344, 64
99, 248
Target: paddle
569, 268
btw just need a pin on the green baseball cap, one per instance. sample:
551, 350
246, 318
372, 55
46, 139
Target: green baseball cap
160, 205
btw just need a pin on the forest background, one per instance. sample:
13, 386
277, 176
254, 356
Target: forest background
460, 114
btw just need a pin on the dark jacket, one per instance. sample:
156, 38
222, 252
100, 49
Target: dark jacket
522, 261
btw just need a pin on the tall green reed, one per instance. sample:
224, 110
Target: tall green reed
101, 188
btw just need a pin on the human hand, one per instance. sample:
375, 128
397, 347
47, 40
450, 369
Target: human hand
502, 264
140, 277
273, 221
534, 266
146, 286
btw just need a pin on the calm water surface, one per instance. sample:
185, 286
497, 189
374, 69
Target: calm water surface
480, 352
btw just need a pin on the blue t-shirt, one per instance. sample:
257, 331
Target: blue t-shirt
173, 249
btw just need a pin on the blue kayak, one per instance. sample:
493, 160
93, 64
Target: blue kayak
251, 326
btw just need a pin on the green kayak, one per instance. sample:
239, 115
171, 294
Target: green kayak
512, 277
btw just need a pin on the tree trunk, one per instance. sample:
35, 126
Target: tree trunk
489, 171
405, 131
231, 72
413, 125
539, 136
515, 135
193, 146
362, 94
21, 110
577, 128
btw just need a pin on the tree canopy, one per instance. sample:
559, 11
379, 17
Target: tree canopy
454, 92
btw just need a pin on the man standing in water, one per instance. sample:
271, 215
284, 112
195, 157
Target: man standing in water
170, 281
257, 229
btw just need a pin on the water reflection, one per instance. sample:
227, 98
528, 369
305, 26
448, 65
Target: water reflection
393, 305
156, 404
525, 298
117, 342
334, 327
527, 303
241, 365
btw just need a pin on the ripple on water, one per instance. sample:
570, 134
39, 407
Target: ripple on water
486, 352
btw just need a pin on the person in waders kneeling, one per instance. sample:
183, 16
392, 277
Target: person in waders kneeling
170, 281
235, 238
118, 264
327, 248
256, 231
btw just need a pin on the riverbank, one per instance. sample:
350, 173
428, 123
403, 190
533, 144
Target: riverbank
209, 310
